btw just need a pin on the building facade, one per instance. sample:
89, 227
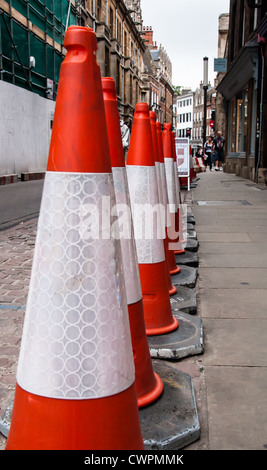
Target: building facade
31, 42
220, 116
198, 116
184, 118
160, 83
120, 48
32, 36
244, 90
31, 52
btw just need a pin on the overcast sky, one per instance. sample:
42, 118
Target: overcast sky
188, 31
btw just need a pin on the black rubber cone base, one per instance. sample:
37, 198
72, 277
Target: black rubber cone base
191, 234
5, 420
191, 244
189, 258
187, 277
186, 340
190, 227
185, 300
171, 422
190, 219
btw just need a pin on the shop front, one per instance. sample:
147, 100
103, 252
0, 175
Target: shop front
240, 88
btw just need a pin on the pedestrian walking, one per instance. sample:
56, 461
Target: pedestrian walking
125, 135
199, 152
219, 142
208, 149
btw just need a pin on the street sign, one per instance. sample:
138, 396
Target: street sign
220, 65
182, 156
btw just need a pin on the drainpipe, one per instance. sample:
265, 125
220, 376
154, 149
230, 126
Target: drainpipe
260, 108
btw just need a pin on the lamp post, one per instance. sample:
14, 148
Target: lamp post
205, 87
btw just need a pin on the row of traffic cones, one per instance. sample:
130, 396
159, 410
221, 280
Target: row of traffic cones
85, 368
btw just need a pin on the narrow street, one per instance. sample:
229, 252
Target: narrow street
230, 377
19, 202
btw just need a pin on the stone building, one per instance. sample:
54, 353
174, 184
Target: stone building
220, 117
184, 104
244, 90
198, 114
161, 94
31, 52
121, 48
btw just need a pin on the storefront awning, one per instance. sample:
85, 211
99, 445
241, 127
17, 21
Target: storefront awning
262, 28
241, 71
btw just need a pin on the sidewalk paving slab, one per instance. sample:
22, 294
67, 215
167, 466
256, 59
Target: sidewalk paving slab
232, 293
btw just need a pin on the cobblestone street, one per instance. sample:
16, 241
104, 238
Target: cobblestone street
16, 252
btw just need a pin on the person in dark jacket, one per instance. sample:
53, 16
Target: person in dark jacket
208, 148
219, 151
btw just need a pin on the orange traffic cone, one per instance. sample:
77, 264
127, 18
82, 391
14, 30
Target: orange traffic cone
152, 116
149, 385
161, 177
172, 233
75, 381
179, 224
143, 191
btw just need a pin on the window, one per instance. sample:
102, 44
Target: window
125, 87
98, 10
242, 22
118, 78
232, 29
137, 93
232, 124
107, 62
111, 25
131, 89
125, 44
255, 16
239, 122
119, 32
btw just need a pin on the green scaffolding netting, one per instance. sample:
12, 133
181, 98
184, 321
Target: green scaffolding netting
18, 43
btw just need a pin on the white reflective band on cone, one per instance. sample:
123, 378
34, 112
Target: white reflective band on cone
160, 189
170, 185
126, 235
165, 195
76, 341
177, 185
147, 213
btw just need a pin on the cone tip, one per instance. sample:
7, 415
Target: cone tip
167, 126
158, 125
109, 88
152, 115
142, 108
80, 36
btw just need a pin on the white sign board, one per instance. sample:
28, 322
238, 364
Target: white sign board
182, 156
